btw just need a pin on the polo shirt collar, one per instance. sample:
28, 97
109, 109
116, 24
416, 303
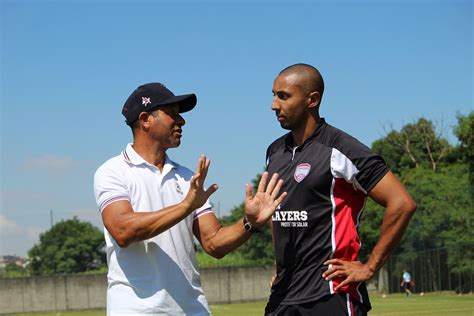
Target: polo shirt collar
131, 156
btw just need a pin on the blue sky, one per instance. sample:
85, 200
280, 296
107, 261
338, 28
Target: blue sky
68, 66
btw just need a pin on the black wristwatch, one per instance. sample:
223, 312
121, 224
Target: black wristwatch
248, 227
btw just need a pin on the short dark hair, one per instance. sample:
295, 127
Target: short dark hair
313, 81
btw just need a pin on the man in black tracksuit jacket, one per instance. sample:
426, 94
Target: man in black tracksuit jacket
328, 175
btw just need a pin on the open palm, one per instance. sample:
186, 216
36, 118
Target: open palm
262, 205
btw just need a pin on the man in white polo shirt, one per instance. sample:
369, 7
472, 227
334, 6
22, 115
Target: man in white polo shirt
152, 207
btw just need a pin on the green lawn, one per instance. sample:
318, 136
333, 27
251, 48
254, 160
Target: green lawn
392, 305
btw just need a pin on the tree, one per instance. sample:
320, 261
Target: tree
70, 246
12, 270
416, 145
465, 134
369, 228
444, 207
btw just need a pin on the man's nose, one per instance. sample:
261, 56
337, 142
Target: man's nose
275, 104
180, 121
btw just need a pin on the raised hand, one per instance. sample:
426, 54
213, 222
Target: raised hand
197, 195
262, 205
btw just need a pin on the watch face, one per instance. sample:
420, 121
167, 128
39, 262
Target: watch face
247, 225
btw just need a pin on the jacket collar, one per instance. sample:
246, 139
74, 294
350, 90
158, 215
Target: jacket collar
290, 143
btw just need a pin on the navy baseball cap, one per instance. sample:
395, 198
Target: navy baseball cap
148, 97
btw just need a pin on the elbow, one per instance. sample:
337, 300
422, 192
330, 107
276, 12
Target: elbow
412, 207
215, 251
124, 238
409, 207
122, 242
217, 255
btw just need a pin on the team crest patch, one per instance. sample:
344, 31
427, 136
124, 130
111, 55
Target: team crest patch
301, 171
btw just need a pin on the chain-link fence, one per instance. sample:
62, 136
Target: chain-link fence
433, 270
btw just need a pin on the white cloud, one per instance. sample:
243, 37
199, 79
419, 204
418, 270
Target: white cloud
8, 226
50, 162
16, 239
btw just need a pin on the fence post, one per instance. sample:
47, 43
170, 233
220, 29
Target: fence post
439, 272
383, 280
459, 272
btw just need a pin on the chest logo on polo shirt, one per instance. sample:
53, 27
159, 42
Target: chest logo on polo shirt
178, 188
301, 171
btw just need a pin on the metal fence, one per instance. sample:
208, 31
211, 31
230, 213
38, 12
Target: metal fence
433, 270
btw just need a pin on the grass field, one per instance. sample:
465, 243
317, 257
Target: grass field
392, 305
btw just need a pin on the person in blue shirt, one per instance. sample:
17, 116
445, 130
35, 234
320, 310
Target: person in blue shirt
406, 282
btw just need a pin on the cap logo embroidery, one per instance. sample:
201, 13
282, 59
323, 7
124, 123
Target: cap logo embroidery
301, 171
145, 101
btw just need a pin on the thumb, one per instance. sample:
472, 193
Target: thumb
213, 188
248, 192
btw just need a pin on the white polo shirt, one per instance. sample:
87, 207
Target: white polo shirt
159, 275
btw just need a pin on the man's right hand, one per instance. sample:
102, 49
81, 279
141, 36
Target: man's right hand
197, 195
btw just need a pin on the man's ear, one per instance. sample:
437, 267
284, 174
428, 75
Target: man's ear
144, 120
314, 99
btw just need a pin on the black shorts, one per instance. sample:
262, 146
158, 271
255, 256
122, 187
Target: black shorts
407, 285
337, 305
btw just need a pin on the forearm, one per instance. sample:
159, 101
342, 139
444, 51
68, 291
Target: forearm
137, 226
394, 224
226, 239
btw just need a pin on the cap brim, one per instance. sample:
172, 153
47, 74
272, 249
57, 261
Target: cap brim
186, 102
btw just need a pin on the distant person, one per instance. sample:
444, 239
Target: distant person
152, 208
406, 282
328, 175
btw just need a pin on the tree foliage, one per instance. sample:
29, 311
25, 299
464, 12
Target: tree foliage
438, 180
416, 145
464, 131
465, 134
12, 270
70, 246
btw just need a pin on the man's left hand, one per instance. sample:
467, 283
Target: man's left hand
353, 271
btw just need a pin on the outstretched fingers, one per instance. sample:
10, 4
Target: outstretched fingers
199, 164
200, 173
205, 167
195, 180
276, 189
263, 182
279, 200
271, 185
